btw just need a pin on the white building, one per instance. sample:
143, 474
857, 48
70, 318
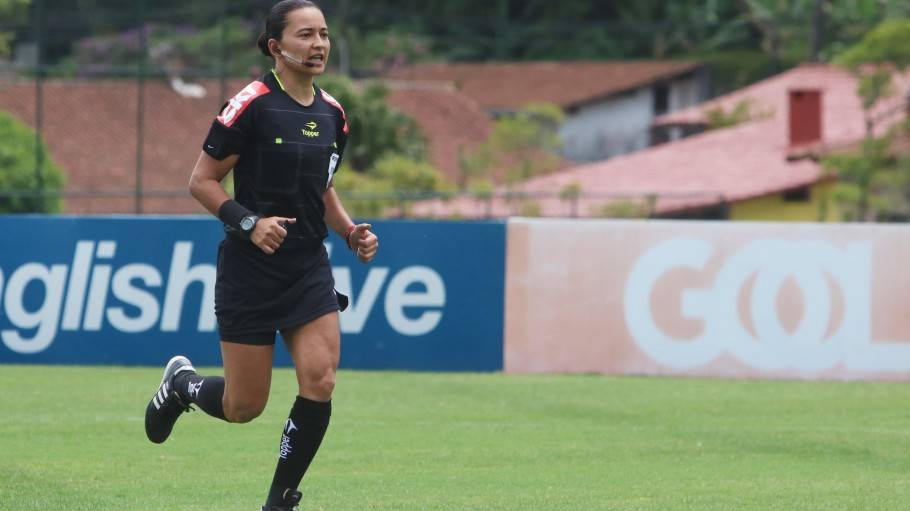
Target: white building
610, 106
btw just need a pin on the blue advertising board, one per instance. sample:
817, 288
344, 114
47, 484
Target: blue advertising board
136, 290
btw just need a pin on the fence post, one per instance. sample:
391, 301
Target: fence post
140, 103
39, 103
222, 67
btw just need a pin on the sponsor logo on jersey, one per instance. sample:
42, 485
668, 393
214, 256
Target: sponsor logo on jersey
310, 130
238, 103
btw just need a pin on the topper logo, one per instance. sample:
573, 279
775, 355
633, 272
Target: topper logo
771, 347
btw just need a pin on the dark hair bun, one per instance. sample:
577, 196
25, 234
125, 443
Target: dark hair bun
263, 44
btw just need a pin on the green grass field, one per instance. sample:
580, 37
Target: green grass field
71, 438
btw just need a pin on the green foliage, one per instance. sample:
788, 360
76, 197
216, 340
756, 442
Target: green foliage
873, 86
481, 189
624, 209
409, 176
886, 43
376, 129
718, 119
867, 180
380, 51
872, 60
172, 50
11, 11
529, 208
571, 191
18, 170
363, 196
519, 147
733, 69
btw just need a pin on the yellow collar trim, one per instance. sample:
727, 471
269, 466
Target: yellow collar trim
282, 85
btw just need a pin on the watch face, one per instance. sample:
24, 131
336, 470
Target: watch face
247, 223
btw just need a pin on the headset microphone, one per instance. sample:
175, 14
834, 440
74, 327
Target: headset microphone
290, 57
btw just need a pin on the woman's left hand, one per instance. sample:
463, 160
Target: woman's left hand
364, 242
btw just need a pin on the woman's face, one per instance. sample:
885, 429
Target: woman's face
306, 37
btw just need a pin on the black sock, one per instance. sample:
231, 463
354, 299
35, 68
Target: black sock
303, 432
204, 391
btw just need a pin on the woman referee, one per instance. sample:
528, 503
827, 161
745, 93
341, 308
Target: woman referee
284, 138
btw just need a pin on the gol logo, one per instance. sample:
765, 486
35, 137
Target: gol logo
772, 262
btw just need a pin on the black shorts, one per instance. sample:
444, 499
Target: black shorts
257, 295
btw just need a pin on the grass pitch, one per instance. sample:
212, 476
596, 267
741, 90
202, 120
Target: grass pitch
71, 438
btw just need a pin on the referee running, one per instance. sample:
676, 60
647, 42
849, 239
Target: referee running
284, 138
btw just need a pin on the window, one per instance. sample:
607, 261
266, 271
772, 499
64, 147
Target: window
801, 194
661, 98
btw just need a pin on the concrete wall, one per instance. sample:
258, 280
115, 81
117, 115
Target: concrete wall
727, 299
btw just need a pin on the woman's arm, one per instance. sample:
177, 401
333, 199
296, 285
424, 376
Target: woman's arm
205, 186
361, 239
205, 182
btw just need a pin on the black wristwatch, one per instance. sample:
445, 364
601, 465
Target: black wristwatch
247, 224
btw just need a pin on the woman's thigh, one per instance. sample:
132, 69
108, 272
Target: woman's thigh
247, 372
315, 348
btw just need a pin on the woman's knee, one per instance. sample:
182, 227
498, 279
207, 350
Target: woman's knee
243, 410
320, 382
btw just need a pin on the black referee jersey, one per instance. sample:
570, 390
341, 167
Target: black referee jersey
288, 152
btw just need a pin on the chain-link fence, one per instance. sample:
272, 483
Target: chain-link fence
121, 96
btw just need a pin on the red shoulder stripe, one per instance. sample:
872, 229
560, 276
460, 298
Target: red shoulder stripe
238, 103
334, 102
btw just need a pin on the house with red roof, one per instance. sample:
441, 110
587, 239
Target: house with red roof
764, 168
609, 105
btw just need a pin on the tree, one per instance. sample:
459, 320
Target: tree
409, 180
21, 173
11, 11
173, 50
375, 129
867, 176
872, 183
519, 147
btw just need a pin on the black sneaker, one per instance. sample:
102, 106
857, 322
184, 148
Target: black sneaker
290, 501
166, 406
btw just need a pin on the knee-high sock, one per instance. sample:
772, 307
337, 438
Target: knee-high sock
204, 391
302, 435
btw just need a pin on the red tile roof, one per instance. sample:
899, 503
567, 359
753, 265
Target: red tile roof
451, 121
726, 165
512, 85
90, 129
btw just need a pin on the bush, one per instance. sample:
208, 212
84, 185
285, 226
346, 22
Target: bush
17, 170
376, 129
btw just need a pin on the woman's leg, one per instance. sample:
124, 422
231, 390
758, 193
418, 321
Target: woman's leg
247, 379
315, 349
239, 396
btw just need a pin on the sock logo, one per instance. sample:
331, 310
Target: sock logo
285, 450
193, 389
289, 426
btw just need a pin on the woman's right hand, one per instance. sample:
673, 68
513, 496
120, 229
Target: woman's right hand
269, 233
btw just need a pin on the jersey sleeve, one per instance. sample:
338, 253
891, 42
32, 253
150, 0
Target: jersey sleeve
234, 125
